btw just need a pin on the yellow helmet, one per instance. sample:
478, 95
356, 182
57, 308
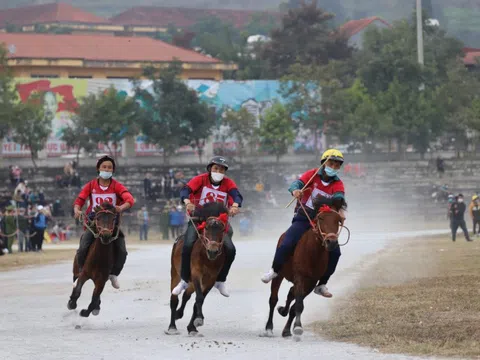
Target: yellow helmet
474, 197
333, 154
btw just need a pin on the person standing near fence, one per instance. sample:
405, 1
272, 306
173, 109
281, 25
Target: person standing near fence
39, 225
142, 217
23, 231
10, 227
474, 210
457, 218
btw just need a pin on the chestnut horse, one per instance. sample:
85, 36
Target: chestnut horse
100, 258
207, 260
306, 266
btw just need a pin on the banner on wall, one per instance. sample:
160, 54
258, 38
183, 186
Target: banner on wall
61, 97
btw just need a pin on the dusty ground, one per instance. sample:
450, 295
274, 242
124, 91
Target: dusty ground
19, 260
420, 297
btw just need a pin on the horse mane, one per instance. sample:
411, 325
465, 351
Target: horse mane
338, 203
210, 209
105, 206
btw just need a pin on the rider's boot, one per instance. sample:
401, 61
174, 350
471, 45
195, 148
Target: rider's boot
114, 280
322, 290
269, 276
182, 285
220, 285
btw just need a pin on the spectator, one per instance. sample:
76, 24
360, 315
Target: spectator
457, 218
147, 186
474, 210
23, 231
10, 227
177, 220
57, 210
142, 217
164, 222
440, 166
41, 197
39, 225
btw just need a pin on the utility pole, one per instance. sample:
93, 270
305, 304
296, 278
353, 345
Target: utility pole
420, 32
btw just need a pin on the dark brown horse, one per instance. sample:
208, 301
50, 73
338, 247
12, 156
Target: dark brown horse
306, 266
206, 262
100, 258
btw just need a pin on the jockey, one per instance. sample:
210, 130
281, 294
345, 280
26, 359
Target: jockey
327, 184
101, 189
210, 186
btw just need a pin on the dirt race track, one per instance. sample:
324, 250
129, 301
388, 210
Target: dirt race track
35, 322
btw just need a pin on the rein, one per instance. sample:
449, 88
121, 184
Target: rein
205, 240
318, 229
97, 235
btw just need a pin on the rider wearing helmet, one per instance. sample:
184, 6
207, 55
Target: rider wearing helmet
327, 184
210, 186
104, 188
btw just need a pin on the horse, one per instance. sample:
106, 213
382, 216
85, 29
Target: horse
100, 258
306, 266
207, 260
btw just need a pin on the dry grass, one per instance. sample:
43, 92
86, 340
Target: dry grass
19, 260
420, 298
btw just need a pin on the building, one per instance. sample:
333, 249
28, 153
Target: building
54, 15
354, 29
154, 18
101, 56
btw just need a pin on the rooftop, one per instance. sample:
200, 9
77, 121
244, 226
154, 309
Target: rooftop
353, 27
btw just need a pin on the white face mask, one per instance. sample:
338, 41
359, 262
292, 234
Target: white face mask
460, 200
105, 175
217, 177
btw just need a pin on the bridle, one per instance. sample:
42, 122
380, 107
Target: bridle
102, 229
202, 228
317, 228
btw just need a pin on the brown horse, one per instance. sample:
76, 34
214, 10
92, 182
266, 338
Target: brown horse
206, 262
100, 258
306, 266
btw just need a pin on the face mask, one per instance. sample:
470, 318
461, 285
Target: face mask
460, 200
330, 172
105, 175
217, 177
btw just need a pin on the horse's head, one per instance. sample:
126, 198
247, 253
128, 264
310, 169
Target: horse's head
104, 222
213, 228
329, 221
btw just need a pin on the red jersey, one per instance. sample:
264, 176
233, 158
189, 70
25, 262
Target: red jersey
319, 187
116, 194
204, 192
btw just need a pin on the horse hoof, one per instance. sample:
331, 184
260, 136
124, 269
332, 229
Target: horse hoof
172, 332
195, 334
84, 313
298, 330
198, 322
71, 305
96, 312
282, 311
178, 315
297, 338
286, 334
267, 333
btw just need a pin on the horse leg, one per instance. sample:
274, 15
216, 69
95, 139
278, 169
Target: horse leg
186, 296
94, 305
76, 292
172, 328
273, 302
302, 289
286, 332
283, 310
199, 299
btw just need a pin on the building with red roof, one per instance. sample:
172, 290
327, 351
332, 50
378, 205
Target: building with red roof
354, 29
101, 56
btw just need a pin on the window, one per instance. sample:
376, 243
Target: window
79, 77
40, 76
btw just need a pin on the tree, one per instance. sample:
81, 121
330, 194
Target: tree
110, 119
174, 115
31, 127
77, 136
241, 125
276, 131
8, 95
305, 37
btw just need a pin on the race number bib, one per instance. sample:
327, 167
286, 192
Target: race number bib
315, 193
212, 195
98, 199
